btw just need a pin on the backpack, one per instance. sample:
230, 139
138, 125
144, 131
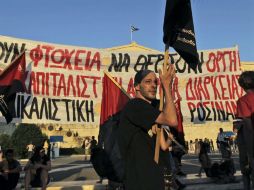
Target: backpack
106, 157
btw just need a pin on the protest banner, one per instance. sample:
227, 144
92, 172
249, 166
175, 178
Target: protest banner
64, 83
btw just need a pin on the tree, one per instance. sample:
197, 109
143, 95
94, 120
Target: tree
23, 135
5, 141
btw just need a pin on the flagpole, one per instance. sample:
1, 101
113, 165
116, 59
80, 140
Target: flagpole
131, 34
158, 130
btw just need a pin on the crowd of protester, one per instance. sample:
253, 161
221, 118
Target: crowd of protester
194, 146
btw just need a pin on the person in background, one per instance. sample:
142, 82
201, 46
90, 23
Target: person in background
87, 147
211, 145
53, 150
197, 147
167, 162
191, 146
37, 168
177, 153
46, 147
93, 143
222, 143
204, 159
207, 144
245, 128
11, 169
187, 147
30, 149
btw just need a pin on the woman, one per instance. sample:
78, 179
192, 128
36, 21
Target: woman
36, 169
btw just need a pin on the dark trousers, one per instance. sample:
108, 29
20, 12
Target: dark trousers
245, 146
12, 181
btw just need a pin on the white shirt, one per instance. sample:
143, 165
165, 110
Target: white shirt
221, 137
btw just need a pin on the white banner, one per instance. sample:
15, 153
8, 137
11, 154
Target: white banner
64, 83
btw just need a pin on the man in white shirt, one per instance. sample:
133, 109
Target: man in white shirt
222, 144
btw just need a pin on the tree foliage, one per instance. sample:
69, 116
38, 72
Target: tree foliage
25, 134
5, 142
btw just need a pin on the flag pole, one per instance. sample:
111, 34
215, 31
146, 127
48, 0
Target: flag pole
158, 130
131, 34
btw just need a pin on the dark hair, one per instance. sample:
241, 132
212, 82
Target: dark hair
9, 151
140, 75
36, 155
246, 80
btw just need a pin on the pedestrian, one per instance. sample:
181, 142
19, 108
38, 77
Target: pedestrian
87, 147
37, 168
187, 146
197, 149
53, 150
11, 169
30, 149
222, 144
244, 128
191, 146
167, 162
207, 144
177, 153
137, 118
211, 145
204, 159
93, 143
46, 147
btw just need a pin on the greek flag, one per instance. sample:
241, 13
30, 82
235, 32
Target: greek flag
133, 29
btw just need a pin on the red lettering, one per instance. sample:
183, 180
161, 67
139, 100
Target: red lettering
96, 60
202, 92
48, 49
215, 90
221, 61
223, 89
68, 56
94, 85
229, 86
232, 61
207, 80
78, 60
32, 87
57, 59
40, 76
54, 75
83, 78
131, 88
189, 91
88, 57
61, 86
175, 92
47, 84
78, 85
236, 87
211, 63
70, 84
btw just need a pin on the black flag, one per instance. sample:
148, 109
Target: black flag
178, 30
12, 80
